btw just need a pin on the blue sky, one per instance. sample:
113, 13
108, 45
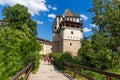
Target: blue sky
44, 12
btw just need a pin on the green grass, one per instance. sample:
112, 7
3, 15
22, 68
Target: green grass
72, 74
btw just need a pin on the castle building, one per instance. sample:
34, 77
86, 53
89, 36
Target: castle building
67, 33
46, 46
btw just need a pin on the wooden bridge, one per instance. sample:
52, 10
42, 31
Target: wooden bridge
49, 72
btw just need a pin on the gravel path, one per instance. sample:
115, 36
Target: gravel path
47, 72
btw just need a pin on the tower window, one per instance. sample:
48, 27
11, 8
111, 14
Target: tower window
58, 18
71, 32
70, 44
55, 27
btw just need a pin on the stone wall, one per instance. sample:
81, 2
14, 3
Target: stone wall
71, 46
55, 46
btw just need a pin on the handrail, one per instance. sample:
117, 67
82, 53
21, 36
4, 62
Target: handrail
25, 70
75, 72
107, 74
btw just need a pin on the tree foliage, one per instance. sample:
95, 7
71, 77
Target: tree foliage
100, 50
107, 17
16, 51
18, 46
18, 15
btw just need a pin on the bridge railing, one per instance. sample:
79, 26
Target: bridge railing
74, 67
25, 71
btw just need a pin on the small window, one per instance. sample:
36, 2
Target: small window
55, 27
59, 18
70, 44
71, 32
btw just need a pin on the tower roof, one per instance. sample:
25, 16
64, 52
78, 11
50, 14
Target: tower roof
68, 13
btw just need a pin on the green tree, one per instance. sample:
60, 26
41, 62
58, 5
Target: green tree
18, 15
16, 51
101, 46
99, 41
18, 45
107, 17
86, 53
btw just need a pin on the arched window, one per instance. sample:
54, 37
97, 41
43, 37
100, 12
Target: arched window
70, 44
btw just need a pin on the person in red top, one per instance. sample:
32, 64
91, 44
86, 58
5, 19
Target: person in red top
50, 60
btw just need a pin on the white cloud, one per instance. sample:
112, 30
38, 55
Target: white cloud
51, 7
84, 17
93, 25
86, 29
34, 6
39, 22
51, 15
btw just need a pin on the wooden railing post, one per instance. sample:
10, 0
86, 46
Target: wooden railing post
74, 71
108, 77
25, 70
28, 73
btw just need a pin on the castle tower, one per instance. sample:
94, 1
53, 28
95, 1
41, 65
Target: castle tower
67, 33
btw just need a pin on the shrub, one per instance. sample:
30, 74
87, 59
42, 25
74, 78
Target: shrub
16, 51
60, 58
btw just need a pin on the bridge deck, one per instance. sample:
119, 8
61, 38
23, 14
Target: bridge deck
47, 72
